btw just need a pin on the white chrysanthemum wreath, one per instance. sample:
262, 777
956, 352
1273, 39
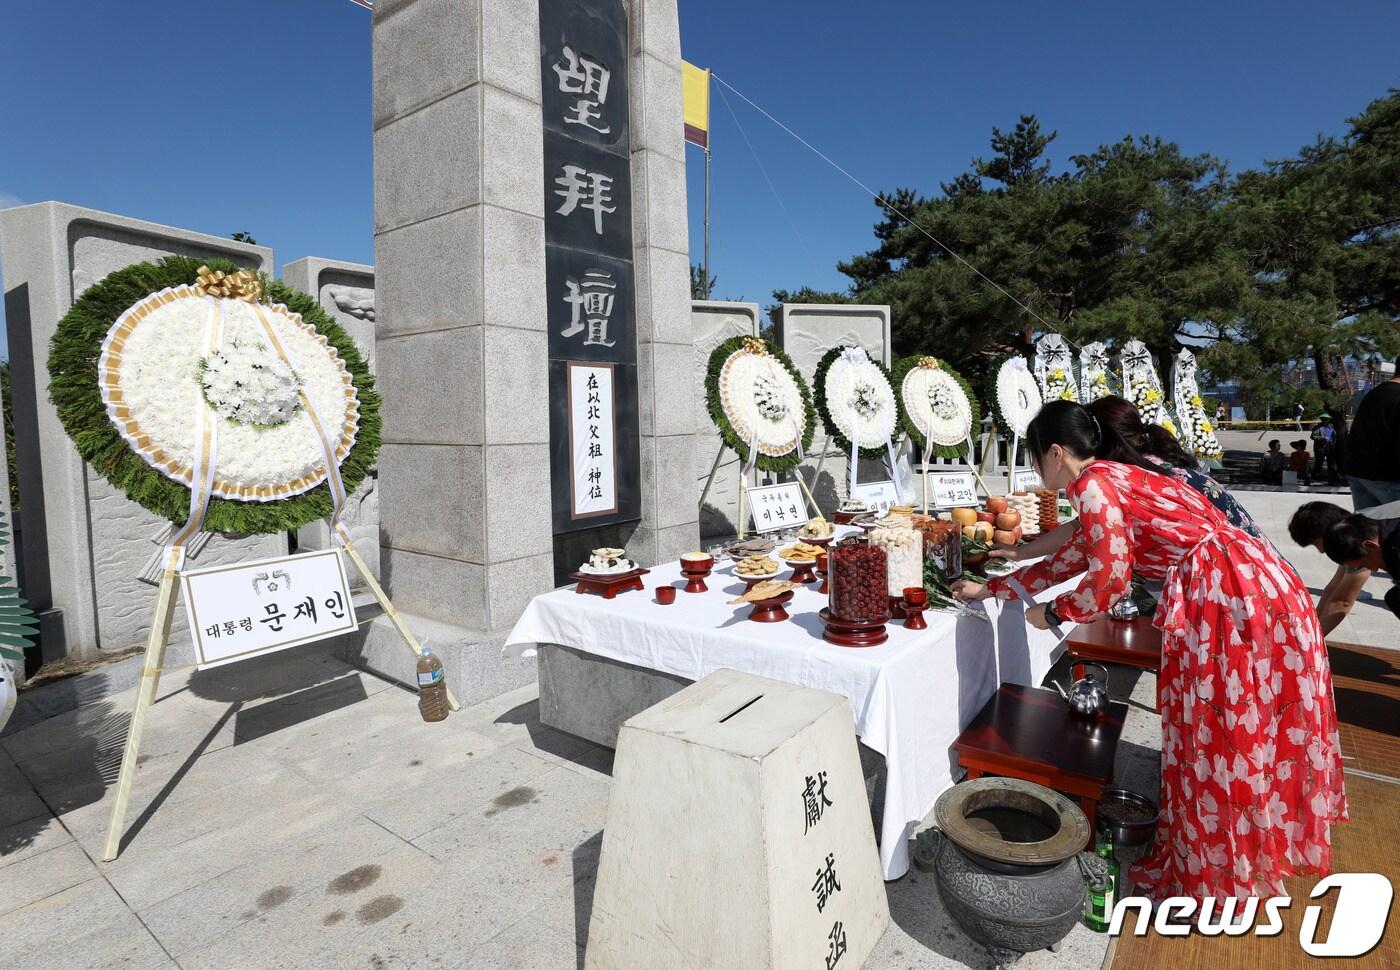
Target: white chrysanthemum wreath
856, 400
937, 404
761, 400
157, 370
1093, 372
1017, 397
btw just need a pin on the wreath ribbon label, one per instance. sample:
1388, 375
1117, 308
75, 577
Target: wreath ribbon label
333, 479
206, 454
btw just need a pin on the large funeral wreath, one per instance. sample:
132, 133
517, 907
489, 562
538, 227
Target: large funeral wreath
270, 475
935, 396
755, 395
857, 398
1015, 397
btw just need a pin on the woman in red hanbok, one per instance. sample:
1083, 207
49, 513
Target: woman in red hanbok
1251, 765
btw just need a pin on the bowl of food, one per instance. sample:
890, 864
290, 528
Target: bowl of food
799, 554
754, 569
1131, 817
817, 532
697, 562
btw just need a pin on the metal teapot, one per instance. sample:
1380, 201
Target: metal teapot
1087, 696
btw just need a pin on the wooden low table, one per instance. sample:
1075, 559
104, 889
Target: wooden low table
1030, 733
1133, 643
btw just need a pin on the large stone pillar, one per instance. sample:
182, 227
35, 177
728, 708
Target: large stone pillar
468, 529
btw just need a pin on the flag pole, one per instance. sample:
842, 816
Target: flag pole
706, 280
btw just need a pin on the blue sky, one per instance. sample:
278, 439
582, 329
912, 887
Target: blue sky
143, 108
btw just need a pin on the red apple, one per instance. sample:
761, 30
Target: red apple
1017, 533
1008, 520
1004, 537
988, 517
996, 504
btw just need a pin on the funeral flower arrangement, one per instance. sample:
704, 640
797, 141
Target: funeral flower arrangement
1093, 372
1054, 369
1143, 387
1197, 433
856, 400
938, 403
757, 399
1016, 397
162, 369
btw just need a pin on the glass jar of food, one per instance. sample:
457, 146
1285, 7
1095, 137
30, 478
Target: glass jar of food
858, 577
943, 547
904, 558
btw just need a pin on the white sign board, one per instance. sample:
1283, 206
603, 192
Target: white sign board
878, 495
240, 611
1025, 480
777, 507
953, 490
592, 444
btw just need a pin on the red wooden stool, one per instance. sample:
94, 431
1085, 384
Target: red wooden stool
1030, 733
1133, 643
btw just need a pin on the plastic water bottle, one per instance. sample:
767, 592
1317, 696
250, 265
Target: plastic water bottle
432, 687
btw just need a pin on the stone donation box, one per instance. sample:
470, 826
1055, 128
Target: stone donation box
738, 835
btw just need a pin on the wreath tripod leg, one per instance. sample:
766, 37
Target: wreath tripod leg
408, 638
156, 641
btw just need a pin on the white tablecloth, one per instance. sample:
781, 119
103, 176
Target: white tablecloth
910, 697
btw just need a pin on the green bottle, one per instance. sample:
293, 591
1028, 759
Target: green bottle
1103, 891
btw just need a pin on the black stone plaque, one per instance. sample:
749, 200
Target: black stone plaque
591, 296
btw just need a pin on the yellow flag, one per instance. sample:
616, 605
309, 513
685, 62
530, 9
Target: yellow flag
695, 91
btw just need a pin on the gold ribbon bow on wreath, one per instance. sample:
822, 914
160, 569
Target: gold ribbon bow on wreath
755, 346
929, 363
242, 285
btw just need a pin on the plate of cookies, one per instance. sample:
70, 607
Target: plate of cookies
754, 568
799, 553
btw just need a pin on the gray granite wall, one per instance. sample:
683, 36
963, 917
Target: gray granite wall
84, 543
712, 323
346, 292
807, 331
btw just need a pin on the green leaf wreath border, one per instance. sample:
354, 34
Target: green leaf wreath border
74, 391
819, 394
732, 440
902, 367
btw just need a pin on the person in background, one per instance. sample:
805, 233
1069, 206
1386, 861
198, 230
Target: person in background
1271, 466
1308, 527
1252, 777
1322, 438
1373, 454
1370, 545
1298, 416
1219, 415
1301, 462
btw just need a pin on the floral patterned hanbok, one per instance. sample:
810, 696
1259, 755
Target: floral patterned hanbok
1251, 763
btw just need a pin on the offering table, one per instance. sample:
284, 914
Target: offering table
603, 661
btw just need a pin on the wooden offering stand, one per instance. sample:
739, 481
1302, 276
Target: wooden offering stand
696, 577
609, 586
896, 607
853, 633
915, 602
803, 572
821, 569
771, 610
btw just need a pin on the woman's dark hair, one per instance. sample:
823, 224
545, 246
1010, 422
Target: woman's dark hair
1145, 439
1073, 427
1342, 542
1312, 520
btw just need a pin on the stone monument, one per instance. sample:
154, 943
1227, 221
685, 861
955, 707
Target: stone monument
85, 544
713, 322
346, 292
530, 242
807, 331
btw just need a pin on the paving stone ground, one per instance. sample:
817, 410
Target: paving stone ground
291, 811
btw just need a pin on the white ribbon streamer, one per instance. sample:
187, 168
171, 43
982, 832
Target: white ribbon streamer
333, 479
